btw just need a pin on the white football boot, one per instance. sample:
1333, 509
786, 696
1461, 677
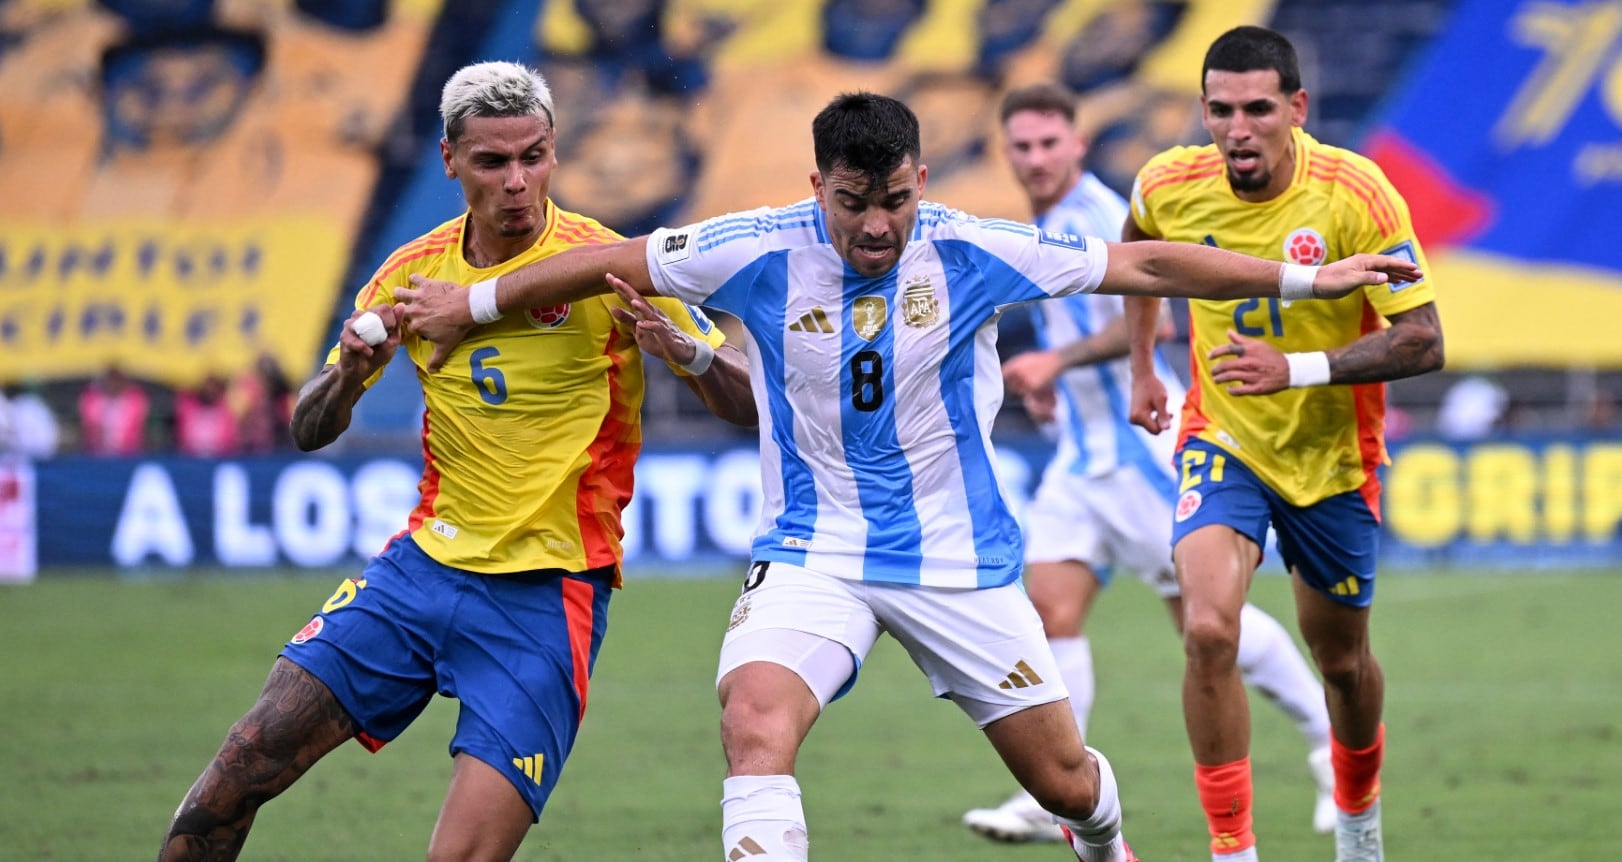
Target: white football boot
1019, 821
1357, 836
1323, 773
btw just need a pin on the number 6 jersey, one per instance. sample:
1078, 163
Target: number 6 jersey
876, 395
531, 429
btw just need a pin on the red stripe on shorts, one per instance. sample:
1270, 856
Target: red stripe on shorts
578, 611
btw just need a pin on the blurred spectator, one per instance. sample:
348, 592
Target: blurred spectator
1399, 423
1472, 408
27, 425
112, 415
205, 426
1600, 412
262, 400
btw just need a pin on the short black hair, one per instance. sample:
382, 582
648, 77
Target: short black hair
865, 132
1045, 98
1249, 49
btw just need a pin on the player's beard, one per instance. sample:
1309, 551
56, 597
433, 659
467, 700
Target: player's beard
1254, 181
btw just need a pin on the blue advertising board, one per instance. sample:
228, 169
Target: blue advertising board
1524, 502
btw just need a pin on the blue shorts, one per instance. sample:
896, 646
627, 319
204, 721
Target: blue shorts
517, 650
1332, 543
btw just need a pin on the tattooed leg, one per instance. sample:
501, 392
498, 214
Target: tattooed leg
295, 723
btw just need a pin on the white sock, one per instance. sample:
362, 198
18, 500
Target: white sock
1075, 659
1246, 855
1098, 838
761, 819
1270, 661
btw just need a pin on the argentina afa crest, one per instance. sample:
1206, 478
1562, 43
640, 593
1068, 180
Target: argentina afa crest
919, 307
868, 314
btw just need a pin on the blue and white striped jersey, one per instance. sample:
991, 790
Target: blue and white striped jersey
1095, 436
876, 395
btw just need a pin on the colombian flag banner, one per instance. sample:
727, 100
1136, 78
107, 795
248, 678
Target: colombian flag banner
1506, 141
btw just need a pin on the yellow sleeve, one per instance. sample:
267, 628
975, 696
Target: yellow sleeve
1141, 215
1167, 165
1385, 227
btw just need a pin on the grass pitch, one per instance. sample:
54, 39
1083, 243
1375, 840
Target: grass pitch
1504, 714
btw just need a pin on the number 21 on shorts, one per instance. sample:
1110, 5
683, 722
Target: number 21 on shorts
1194, 468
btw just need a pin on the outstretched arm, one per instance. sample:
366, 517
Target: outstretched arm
327, 400
1159, 268
442, 312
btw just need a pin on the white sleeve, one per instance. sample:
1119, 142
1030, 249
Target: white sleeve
691, 263
1043, 264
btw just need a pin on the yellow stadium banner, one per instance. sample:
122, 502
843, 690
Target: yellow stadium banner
1561, 311
167, 301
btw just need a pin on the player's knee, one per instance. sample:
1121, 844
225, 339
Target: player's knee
752, 727
470, 845
1342, 668
1072, 793
1210, 640
1061, 618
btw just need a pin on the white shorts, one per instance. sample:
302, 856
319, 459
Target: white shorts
984, 649
1119, 519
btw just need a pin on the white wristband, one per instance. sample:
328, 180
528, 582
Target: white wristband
1295, 281
481, 301
703, 354
1308, 369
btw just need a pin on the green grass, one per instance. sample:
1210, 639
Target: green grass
1504, 713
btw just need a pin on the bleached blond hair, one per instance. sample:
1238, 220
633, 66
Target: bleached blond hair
494, 89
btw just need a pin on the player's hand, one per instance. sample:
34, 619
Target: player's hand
1148, 406
1252, 367
436, 311
1029, 372
1042, 405
656, 335
360, 360
1360, 270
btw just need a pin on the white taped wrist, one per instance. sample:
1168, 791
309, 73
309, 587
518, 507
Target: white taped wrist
481, 300
1295, 281
1308, 369
703, 355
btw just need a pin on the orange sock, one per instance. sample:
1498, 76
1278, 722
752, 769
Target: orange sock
1357, 773
1225, 794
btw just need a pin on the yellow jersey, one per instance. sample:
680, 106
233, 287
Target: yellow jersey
533, 425
1309, 443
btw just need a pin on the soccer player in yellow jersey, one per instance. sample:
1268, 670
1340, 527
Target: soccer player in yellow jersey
496, 593
1283, 424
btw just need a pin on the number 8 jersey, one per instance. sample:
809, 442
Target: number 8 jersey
876, 395
1312, 443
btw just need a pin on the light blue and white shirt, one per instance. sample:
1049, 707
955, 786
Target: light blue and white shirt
1095, 436
876, 395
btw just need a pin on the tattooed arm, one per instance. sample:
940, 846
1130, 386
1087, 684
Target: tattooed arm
1411, 345
325, 403
324, 407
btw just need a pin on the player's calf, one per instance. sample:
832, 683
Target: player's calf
295, 722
